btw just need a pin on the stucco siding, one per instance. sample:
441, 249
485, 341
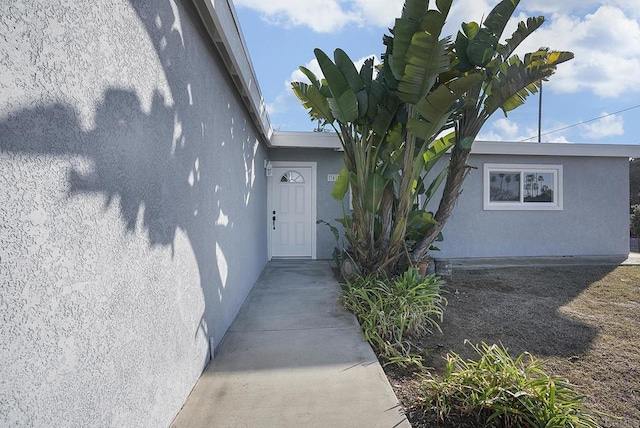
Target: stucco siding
593, 222
328, 161
132, 203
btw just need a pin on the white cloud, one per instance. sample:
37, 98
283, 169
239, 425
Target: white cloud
606, 45
466, 11
559, 139
378, 12
504, 130
631, 8
325, 16
608, 126
606, 41
506, 127
321, 16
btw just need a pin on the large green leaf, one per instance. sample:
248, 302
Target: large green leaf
418, 223
470, 29
482, 47
434, 20
435, 185
403, 32
499, 16
516, 80
421, 129
522, 32
558, 57
348, 70
341, 187
343, 104
324, 88
427, 58
437, 149
373, 192
366, 71
414, 10
313, 101
444, 6
383, 107
437, 107
462, 45
311, 76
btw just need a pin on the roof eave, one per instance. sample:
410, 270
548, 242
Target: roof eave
329, 140
220, 20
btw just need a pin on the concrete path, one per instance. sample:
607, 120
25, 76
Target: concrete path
293, 358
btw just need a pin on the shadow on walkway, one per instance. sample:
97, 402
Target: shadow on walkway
293, 357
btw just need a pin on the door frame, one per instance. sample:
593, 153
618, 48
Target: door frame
314, 180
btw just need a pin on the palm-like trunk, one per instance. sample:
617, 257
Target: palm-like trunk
468, 127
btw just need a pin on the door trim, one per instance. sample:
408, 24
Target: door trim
314, 180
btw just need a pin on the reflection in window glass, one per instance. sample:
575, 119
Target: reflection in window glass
538, 186
504, 186
522, 187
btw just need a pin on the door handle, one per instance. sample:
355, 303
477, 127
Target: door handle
274, 220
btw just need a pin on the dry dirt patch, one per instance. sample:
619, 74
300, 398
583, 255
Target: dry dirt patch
585, 321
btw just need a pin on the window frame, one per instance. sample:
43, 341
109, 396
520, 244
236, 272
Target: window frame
523, 169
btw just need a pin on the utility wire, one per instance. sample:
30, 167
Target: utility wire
583, 122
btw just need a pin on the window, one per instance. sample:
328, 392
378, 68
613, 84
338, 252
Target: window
522, 187
292, 177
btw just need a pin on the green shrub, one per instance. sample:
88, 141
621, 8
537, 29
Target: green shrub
393, 311
499, 391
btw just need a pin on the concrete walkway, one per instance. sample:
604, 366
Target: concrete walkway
293, 358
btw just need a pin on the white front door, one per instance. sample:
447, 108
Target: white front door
291, 218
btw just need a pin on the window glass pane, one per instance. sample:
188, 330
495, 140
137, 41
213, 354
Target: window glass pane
538, 186
522, 187
504, 186
292, 177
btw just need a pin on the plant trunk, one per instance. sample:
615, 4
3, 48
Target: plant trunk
386, 220
458, 171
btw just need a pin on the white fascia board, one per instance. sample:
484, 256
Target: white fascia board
329, 140
317, 140
555, 149
221, 22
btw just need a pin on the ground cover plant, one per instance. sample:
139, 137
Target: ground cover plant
393, 311
498, 389
583, 321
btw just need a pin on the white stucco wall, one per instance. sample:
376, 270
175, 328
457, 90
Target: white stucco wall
132, 201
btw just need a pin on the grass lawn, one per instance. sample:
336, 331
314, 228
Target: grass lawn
585, 321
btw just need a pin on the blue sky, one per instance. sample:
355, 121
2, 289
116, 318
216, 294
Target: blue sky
604, 78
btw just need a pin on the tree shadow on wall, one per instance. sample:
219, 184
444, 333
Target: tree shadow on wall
173, 167
127, 155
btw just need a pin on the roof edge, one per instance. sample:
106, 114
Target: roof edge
555, 149
330, 140
220, 20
